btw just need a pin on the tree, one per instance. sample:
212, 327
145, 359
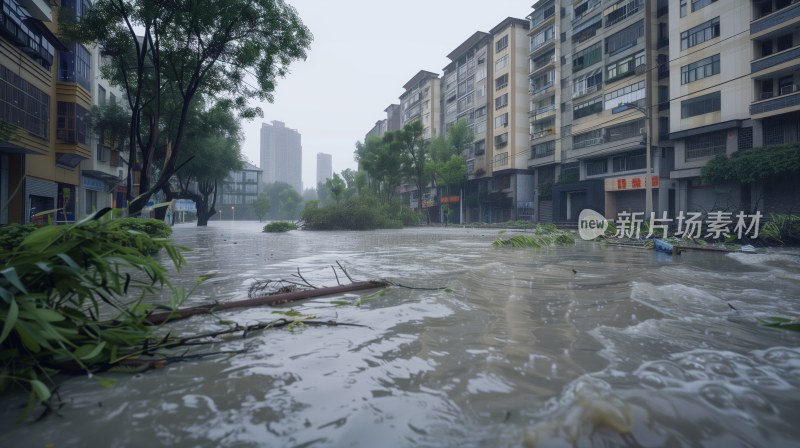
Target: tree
284, 200
212, 152
261, 205
336, 186
323, 194
415, 155
460, 137
227, 49
448, 167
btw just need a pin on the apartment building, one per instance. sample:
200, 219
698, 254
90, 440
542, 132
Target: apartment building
238, 192
103, 175
711, 90
612, 98
775, 108
485, 84
420, 102
45, 96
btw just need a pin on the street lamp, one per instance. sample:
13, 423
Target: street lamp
233, 212
648, 178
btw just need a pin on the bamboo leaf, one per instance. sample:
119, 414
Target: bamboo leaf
11, 319
11, 275
89, 351
42, 391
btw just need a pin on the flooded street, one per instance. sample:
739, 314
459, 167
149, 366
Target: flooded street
569, 346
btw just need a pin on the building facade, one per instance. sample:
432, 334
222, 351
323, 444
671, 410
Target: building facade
420, 102
324, 167
281, 155
238, 193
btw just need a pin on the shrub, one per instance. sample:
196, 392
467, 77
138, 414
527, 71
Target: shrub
279, 226
359, 213
13, 234
142, 233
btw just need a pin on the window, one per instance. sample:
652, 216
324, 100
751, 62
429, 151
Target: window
705, 146
784, 42
501, 44
587, 108
501, 120
621, 11
540, 82
701, 105
745, 138
700, 4
587, 57
624, 67
587, 30
683, 8
71, 123
501, 63
543, 37
628, 94
629, 162
23, 105
501, 101
786, 85
624, 39
501, 159
90, 202
587, 139
501, 140
545, 149
700, 69
75, 66
700, 33
101, 96
501, 82
587, 83
595, 167
480, 147
626, 130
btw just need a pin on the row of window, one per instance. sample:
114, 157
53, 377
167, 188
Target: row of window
700, 69
696, 5
23, 105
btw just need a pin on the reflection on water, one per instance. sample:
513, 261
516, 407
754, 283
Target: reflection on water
584, 345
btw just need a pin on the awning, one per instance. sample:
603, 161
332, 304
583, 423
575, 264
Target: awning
732, 124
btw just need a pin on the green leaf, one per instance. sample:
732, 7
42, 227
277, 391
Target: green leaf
48, 315
89, 351
11, 275
107, 383
11, 319
42, 391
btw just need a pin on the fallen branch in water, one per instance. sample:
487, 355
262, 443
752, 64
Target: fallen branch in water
274, 299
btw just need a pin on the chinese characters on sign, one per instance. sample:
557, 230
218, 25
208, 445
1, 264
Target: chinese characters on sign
690, 225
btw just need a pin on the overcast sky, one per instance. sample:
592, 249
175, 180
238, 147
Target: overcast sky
363, 52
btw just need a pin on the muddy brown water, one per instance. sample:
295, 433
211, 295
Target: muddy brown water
571, 346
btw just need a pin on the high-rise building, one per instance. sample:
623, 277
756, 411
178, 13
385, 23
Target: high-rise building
281, 155
420, 102
599, 93
485, 85
324, 167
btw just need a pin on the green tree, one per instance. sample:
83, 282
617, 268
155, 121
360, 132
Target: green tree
460, 137
261, 205
323, 194
212, 152
290, 201
227, 49
382, 159
414, 152
337, 187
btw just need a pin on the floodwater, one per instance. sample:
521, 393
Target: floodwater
588, 345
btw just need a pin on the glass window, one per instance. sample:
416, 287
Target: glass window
23, 105
700, 69
701, 105
699, 4
501, 44
595, 167
706, 145
700, 33
501, 101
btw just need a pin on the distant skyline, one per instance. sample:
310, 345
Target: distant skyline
363, 52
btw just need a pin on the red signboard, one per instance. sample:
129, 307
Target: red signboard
449, 199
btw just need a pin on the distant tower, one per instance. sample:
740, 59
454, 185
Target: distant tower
281, 155
324, 167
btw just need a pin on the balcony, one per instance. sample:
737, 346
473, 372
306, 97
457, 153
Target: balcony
537, 46
776, 106
537, 113
539, 64
775, 19
543, 133
600, 146
775, 59
542, 17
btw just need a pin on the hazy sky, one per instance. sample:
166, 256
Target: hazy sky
363, 52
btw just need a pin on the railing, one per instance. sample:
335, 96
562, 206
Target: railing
776, 103
775, 59
536, 46
542, 110
540, 64
542, 133
776, 18
585, 91
542, 88
588, 142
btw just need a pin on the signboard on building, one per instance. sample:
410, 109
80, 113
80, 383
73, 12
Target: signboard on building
449, 199
628, 183
185, 205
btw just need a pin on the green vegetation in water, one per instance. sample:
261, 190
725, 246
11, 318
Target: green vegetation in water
782, 323
781, 229
359, 213
73, 298
542, 236
279, 227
